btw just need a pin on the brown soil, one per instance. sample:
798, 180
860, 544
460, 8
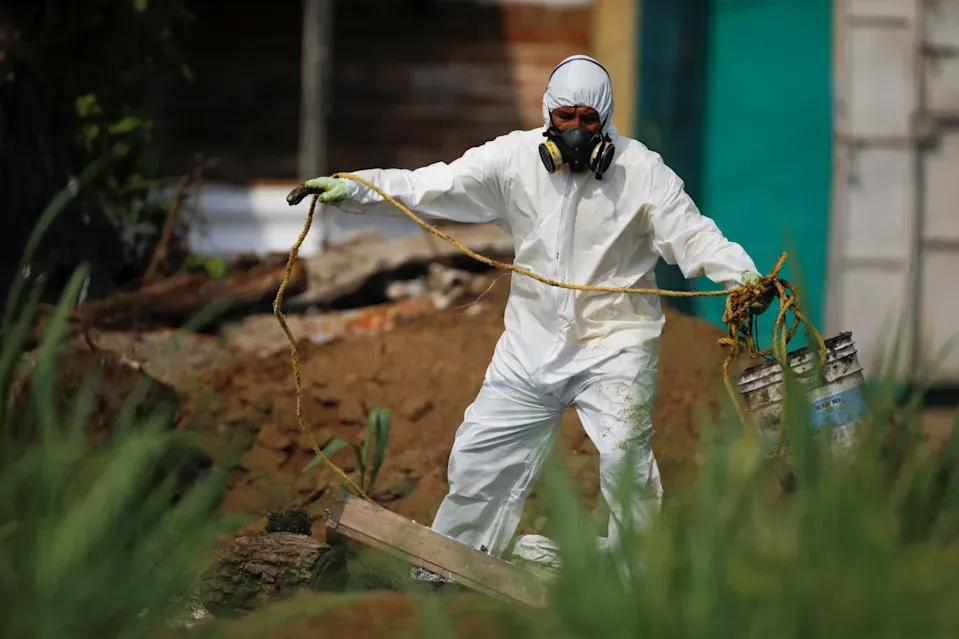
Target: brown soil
116, 379
427, 371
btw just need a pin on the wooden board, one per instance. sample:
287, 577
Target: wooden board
374, 526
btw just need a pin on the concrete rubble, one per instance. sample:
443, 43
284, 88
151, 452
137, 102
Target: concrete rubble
346, 268
409, 277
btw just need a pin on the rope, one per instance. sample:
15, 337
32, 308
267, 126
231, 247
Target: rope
740, 321
295, 357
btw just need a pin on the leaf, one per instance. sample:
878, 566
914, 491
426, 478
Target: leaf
128, 124
86, 105
68, 539
334, 445
89, 134
44, 373
360, 461
53, 210
368, 436
140, 5
382, 439
215, 267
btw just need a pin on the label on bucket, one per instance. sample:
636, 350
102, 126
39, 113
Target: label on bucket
840, 409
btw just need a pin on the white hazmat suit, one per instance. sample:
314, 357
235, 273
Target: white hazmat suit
595, 351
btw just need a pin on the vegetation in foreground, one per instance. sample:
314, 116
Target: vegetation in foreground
104, 542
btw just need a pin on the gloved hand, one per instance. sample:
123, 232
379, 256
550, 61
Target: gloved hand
329, 190
752, 279
759, 306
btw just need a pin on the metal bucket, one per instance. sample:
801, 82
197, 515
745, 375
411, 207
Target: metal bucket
836, 397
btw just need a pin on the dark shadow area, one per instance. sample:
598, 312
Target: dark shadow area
674, 47
243, 104
939, 396
36, 164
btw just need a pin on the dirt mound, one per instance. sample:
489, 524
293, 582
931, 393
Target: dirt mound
116, 378
427, 371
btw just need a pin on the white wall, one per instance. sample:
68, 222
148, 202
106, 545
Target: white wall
895, 236
257, 219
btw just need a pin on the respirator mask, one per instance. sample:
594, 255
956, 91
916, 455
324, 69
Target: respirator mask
578, 148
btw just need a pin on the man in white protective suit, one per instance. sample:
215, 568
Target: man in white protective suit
583, 205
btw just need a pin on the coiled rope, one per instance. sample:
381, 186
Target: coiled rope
738, 316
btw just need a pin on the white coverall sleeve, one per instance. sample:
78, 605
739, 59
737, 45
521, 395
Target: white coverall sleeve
469, 189
686, 238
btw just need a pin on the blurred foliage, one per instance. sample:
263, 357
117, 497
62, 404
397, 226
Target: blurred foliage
95, 540
99, 63
215, 267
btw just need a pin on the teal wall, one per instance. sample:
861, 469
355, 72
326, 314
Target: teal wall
674, 40
763, 169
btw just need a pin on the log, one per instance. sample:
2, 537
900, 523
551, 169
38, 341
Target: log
253, 571
360, 521
174, 300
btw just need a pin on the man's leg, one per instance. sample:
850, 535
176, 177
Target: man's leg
497, 455
615, 404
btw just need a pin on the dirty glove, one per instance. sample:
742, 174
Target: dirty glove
759, 306
329, 190
752, 279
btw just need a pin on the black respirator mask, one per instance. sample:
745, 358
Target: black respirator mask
579, 149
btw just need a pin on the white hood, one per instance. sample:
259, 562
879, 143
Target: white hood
580, 80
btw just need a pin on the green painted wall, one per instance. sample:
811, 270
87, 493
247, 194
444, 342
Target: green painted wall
674, 38
767, 161
757, 156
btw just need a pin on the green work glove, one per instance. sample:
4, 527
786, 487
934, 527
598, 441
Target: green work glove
752, 279
759, 306
329, 190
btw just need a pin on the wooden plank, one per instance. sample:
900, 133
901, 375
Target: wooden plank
374, 526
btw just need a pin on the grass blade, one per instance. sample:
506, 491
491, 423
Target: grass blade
382, 434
